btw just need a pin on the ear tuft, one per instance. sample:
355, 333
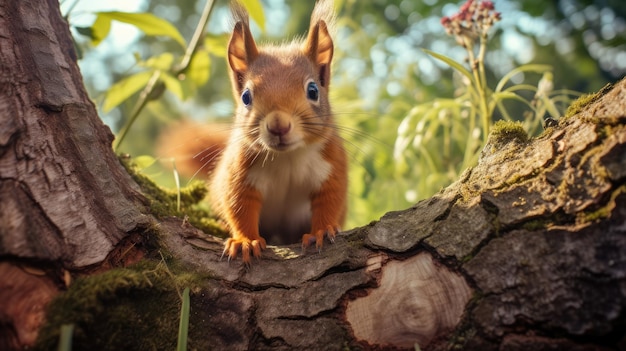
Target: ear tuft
242, 49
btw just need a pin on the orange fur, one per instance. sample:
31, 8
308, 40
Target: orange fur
282, 174
194, 147
328, 205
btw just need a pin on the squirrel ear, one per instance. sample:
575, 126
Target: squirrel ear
242, 51
319, 48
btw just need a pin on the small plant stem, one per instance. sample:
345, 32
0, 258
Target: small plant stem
177, 181
484, 113
195, 39
475, 94
481, 57
138, 107
65, 339
484, 110
147, 93
446, 140
477, 66
183, 328
471, 142
70, 9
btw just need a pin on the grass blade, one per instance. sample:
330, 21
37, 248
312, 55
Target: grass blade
65, 339
183, 328
457, 66
177, 181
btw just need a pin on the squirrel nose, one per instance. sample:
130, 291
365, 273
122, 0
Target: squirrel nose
278, 125
278, 130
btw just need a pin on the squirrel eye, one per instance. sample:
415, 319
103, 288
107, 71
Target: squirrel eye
312, 91
246, 97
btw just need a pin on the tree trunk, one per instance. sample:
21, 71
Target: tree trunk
527, 251
67, 203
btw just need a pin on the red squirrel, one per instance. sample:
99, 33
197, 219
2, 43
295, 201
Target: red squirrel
281, 173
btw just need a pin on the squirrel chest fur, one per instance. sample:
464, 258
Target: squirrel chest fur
281, 173
285, 183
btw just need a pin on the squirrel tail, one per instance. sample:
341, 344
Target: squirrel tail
194, 147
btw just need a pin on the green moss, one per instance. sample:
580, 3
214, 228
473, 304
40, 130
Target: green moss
506, 131
518, 178
502, 133
536, 224
164, 202
133, 308
580, 103
602, 212
587, 217
506, 140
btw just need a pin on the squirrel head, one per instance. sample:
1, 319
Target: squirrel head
281, 91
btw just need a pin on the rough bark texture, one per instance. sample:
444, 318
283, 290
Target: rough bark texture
527, 251
66, 202
68, 198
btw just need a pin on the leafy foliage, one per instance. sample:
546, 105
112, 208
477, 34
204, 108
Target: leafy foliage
460, 126
147, 22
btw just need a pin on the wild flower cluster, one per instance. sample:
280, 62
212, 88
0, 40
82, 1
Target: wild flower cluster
473, 20
470, 26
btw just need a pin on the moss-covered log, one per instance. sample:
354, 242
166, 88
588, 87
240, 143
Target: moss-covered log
527, 251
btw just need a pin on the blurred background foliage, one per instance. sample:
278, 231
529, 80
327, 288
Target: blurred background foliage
380, 74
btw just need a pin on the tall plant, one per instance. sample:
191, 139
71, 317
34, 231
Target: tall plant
443, 137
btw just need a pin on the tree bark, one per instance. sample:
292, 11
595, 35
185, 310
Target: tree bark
67, 203
527, 251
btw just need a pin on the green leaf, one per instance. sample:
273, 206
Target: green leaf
199, 68
507, 95
124, 89
144, 161
457, 66
147, 23
181, 88
519, 87
525, 68
216, 44
86, 31
255, 9
100, 29
161, 62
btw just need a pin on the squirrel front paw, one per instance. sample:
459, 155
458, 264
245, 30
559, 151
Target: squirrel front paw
233, 246
318, 237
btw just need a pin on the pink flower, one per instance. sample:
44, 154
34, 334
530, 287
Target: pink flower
466, 6
474, 19
487, 5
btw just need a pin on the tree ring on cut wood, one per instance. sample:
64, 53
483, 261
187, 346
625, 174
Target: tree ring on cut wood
416, 301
